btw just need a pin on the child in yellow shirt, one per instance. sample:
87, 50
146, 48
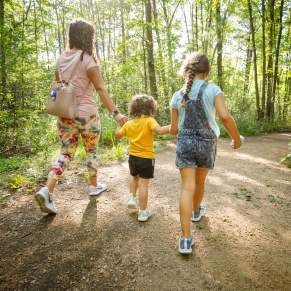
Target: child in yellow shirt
140, 131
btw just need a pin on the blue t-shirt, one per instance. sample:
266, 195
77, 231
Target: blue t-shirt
209, 94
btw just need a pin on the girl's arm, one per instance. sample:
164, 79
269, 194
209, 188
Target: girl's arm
95, 77
174, 121
227, 120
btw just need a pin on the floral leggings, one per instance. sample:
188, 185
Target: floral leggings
69, 132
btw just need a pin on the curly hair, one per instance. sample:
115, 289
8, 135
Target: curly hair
81, 36
195, 63
142, 105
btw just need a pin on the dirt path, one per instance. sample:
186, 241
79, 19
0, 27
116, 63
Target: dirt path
243, 242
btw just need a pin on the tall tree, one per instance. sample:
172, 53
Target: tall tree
150, 48
219, 43
2, 53
254, 58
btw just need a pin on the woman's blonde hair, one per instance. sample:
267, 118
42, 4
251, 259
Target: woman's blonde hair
195, 63
142, 105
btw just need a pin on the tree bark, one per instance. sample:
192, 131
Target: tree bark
3, 54
263, 59
269, 105
219, 44
160, 51
150, 49
248, 66
277, 54
254, 59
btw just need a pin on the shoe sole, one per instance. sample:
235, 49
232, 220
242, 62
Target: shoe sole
41, 203
144, 219
98, 192
131, 206
185, 252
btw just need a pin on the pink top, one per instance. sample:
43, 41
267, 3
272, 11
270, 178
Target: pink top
68, 62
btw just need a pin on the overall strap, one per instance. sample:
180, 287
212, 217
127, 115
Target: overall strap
201, 90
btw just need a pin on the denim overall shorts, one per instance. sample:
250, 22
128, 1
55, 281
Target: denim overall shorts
196, 146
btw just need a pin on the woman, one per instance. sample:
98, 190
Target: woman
79, 63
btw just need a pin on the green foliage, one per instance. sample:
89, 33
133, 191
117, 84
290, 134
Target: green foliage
12, 164
108, 128
287, 159
16, 182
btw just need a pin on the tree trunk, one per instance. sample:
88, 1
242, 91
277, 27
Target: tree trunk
150, 49
248, 66
277, 53
219, 44
160, 51
254, 59
123, 32
263, 59
269, 105
2, 54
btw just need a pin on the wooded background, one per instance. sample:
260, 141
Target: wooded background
141, 45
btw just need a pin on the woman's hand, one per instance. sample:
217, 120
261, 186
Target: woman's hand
120, 119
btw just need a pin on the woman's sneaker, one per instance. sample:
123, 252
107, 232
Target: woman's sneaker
196, 216
143, 215
45, 201
132, 202
185, 245
95, 191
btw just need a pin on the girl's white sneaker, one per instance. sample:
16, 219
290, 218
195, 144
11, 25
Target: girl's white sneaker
143, 215
132, 202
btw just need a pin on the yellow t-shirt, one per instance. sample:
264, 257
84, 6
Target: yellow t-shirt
140, 133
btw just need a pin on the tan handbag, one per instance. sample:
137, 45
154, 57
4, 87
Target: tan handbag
62, 100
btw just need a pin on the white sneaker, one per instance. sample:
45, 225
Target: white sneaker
45, 201
144, 215
197, 216
132, 202
94, 191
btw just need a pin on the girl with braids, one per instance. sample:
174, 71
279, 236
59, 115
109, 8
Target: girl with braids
79, 63
193, 110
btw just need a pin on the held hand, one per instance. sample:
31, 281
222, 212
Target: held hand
236, 143
121, 119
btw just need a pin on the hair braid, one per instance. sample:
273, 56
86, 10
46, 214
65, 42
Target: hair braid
193, 64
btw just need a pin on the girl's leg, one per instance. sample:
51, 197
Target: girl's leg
143, 193
186, 199
200, 177
133, 185
69, 139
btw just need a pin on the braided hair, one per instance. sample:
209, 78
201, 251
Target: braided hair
194, 64
81, 36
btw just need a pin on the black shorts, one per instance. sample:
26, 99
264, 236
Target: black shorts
141, 167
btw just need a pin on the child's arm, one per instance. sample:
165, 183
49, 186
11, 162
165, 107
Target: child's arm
227, 120
174, 121
121, 132
162, 129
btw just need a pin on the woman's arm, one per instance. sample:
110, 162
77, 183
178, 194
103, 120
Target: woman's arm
174, 121
95, 77
227, 120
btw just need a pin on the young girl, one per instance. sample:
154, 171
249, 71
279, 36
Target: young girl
141, 161
193, 111
79, 63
